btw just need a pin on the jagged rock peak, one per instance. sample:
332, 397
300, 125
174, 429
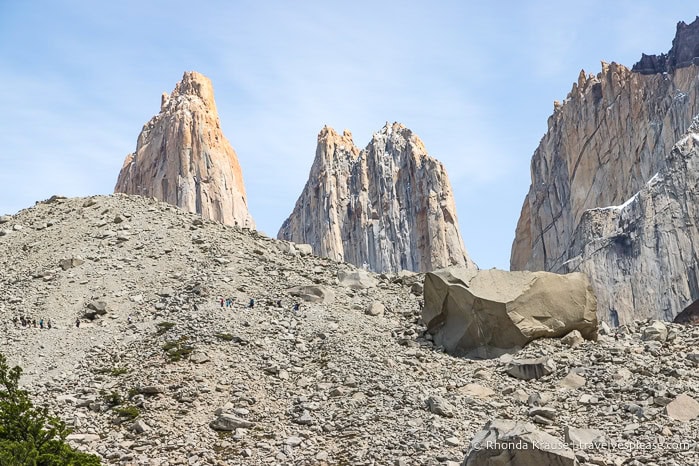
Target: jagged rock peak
617, 122
389, 207
183, 158
684, 52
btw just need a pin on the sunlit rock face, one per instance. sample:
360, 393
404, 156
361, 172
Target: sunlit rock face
388, 207
183, 158
608, 147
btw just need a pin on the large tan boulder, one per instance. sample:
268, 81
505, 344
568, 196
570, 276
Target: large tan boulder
489, 312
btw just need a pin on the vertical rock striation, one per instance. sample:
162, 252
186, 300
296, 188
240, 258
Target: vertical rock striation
389, 206
642, 256
606, 142
183, 158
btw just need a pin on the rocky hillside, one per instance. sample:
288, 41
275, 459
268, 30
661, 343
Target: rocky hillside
183, 158
389, 206
159, 373
605, 142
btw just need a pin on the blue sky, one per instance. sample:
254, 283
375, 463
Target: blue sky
475, 80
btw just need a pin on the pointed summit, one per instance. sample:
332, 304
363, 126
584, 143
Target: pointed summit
389, 206
183, 158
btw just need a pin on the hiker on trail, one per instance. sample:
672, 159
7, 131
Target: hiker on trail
279, 303
41, 323
48, 324
129, 319
296, 307
15, 321
221, 302
77, 322
23, 321
34, 322
251, 304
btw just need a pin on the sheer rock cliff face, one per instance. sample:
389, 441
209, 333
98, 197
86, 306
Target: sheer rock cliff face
605, 143
643, 256
389, 206
183, 158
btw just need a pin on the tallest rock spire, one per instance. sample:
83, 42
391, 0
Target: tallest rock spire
183, 158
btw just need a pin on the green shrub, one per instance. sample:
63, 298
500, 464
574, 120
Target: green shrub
114, 399
30, 436
176, 350
225, 336
117, 371
129, 412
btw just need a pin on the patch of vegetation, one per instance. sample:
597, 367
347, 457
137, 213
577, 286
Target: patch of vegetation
164, 327
129, 412
224, 336
133, 391
113, 399
30, 436
176, 350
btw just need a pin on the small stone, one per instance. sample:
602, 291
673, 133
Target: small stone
304, 419
228, 422
588, 399
151, 389
452, 441
140, 427
683, 408
440, 406
477, 391
548, 413
656, 331
528, 369
573, 339
293, 441
199, 357
572, 381
584, 438
376, 309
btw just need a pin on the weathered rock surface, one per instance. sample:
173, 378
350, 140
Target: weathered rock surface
389, 206
640, 256
509, 443
578, 205
683, 408
485, 313
183, 158
684, 52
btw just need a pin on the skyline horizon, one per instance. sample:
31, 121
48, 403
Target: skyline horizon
477, 86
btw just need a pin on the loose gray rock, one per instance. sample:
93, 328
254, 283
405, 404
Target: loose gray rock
229, 423
511, 443
313, 294
440, 406
528, 369
357, 279
585, 439
683, 408
656, 331
376, 309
